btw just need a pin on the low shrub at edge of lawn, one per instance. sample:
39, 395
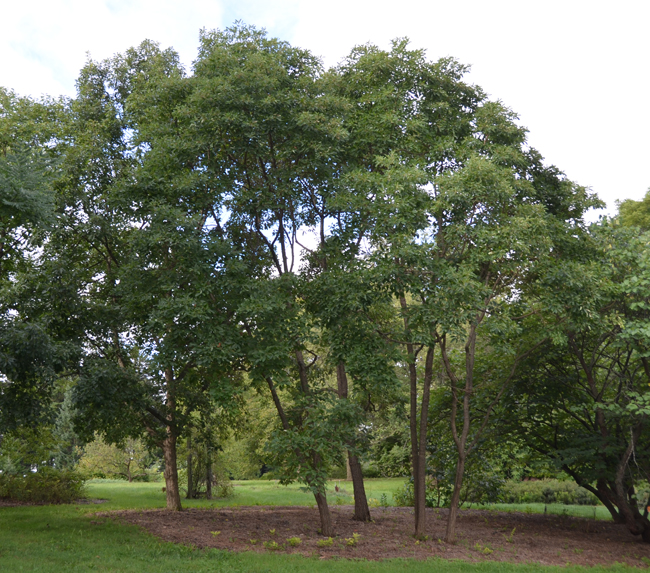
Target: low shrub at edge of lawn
44, 486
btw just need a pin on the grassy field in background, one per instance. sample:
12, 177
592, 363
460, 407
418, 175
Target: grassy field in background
69, 538
265, 492
249, 492
586, 511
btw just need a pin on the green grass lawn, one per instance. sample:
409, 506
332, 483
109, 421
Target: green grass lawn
68, 538
586, 511
249, 492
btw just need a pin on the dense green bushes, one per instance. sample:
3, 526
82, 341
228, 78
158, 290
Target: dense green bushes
547, 491
44, 486
537, 491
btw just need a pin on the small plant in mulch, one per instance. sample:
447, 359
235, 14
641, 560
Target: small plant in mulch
272, 546
352, 541
484, 549
325, 542
215, 533
510, 538
294, 541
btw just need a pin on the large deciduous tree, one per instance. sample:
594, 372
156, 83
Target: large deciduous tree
138, 268
29, 358
460, 212
582, 401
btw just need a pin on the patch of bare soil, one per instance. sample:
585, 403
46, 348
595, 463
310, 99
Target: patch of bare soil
483, 535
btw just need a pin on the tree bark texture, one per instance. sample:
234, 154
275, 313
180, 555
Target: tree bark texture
418, 430
460, 440
169, 449
450, 535
190, 485
171, 472
208, 475
636, 523
361, 509
326, 527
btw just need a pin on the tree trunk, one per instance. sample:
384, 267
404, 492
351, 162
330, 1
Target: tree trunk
171, 472
348, 476
326, 527
326, 520
418, 431
190, 485
421, 492
459, 441
361, 509
605, 496
450, 536
632, 521
208, 476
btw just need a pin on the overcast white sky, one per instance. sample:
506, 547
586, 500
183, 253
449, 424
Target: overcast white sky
575, 71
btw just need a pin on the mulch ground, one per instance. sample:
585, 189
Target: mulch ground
482, 535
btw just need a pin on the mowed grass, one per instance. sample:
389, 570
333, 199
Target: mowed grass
586, 511
250, 492
70, 538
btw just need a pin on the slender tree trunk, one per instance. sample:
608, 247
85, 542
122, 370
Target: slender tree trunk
418, 431
208, 475
190, 485
422, 443
459, 440
323, 509
326, 527
450, 535
635, 522
418, 486
171, 472
348, 476
169, 448
361, 509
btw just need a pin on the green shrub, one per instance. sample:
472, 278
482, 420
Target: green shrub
404, 496
479, 489
325, 542
547, 491
394, 462
370, 471
47, 485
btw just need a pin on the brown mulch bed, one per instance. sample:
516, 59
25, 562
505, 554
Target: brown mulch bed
482, 535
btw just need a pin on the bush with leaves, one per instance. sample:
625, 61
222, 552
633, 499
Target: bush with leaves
547, 491
46, 485
130, 460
